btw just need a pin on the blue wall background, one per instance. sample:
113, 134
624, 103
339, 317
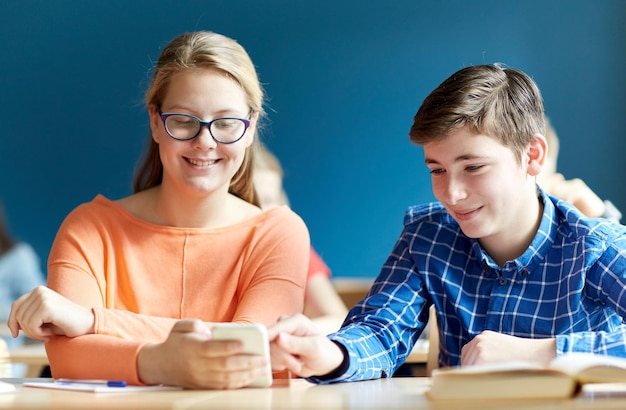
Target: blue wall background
344, 79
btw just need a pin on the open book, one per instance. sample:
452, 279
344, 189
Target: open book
561, 378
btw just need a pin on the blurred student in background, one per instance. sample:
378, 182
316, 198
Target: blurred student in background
20, 272
321, 301
574, 191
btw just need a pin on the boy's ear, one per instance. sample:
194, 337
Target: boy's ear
536, 154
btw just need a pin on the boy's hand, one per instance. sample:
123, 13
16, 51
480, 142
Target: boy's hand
494, 347
296, 344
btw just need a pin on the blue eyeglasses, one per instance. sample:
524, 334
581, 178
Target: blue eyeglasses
185, 127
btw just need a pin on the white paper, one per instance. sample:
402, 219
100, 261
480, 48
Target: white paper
96, 388
6, 387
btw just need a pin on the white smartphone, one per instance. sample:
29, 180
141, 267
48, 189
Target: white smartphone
254, 338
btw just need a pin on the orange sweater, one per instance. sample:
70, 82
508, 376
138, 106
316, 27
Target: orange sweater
139, 278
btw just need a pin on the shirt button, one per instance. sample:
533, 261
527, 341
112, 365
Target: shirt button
503, 281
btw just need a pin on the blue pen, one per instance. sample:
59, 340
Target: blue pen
108, 383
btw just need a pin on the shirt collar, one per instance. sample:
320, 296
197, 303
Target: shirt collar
538, 248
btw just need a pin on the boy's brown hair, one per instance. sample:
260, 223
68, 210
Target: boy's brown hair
502, 103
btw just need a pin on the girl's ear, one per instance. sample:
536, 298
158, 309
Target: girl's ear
154, 122
536, 154
252, 130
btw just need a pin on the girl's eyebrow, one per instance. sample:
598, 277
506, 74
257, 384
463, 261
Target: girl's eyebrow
226, 111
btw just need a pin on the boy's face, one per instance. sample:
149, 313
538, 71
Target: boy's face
482, 185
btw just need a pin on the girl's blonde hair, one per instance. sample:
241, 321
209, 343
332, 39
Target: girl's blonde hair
190, 51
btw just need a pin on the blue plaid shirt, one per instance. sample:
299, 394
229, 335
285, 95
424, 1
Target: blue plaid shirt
569, 284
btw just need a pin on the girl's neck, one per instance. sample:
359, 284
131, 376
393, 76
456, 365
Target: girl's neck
215, 210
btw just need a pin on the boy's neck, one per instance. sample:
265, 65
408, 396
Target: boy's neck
512, 243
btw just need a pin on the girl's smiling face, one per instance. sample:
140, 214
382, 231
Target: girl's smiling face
202, 165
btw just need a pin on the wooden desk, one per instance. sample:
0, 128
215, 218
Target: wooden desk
394, 393
33, 355
352, 290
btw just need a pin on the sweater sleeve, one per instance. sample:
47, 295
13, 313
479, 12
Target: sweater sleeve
77, 269
274, 281
75, 264
94, 357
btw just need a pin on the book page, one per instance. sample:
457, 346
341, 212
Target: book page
490, 368
591, 368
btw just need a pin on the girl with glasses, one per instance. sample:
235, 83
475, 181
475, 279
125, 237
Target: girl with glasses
135, 284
